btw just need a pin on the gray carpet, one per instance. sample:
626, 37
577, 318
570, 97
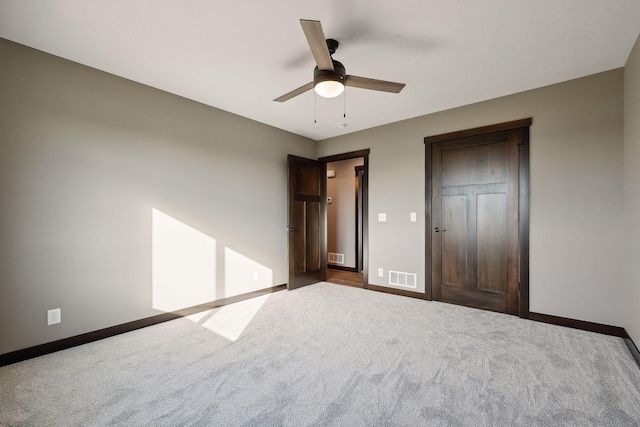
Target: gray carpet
332, 355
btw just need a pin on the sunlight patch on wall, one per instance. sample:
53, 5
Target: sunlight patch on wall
231, 320
243, 275
183, 264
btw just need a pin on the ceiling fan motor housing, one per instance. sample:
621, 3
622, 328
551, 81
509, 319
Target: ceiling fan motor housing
339, 74
332, 46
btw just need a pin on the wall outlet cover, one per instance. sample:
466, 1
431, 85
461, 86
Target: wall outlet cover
382, 217
380, 272
53, 316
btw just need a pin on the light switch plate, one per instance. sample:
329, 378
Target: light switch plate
413, 217
380, 272
382, 217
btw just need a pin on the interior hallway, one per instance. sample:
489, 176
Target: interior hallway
347, 278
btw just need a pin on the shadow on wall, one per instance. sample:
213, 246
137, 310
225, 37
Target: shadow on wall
184, 267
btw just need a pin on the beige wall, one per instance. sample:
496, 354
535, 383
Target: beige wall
85, 158
576, 191
341, 212
91, 163
632, 192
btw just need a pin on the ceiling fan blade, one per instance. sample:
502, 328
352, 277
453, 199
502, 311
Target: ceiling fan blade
373, 84
295, 92
317, 43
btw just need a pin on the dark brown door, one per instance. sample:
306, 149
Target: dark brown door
474, 220
307, 221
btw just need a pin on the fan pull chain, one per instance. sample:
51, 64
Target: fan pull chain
315, 107
344, 107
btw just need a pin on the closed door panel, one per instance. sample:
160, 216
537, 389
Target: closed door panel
300, 236
307, 180
312, 226
474, 212
491, 240
454, 240
482, 164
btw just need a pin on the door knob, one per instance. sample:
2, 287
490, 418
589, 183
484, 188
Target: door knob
437, 230
291, 229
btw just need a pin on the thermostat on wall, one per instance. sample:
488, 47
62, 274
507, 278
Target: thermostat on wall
331, 173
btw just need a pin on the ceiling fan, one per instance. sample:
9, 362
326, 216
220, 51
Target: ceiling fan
330, 76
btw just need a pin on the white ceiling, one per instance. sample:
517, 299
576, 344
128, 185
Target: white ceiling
240, 55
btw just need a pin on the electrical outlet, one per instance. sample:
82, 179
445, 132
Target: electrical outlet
53, 316
380, 272
382, 217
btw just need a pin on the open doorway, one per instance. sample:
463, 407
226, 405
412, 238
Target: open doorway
347, 236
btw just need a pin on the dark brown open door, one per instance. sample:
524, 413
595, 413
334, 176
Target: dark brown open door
474, 206
307, 221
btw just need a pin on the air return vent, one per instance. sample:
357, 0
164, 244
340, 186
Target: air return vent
336, 258
406, 280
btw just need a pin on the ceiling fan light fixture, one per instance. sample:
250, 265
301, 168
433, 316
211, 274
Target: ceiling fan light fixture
330, 83
329, 88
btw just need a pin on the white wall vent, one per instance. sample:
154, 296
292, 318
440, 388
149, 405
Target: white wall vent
336, 258
406, 280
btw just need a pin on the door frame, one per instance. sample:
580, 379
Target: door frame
359, 171
523, 202
365, 206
